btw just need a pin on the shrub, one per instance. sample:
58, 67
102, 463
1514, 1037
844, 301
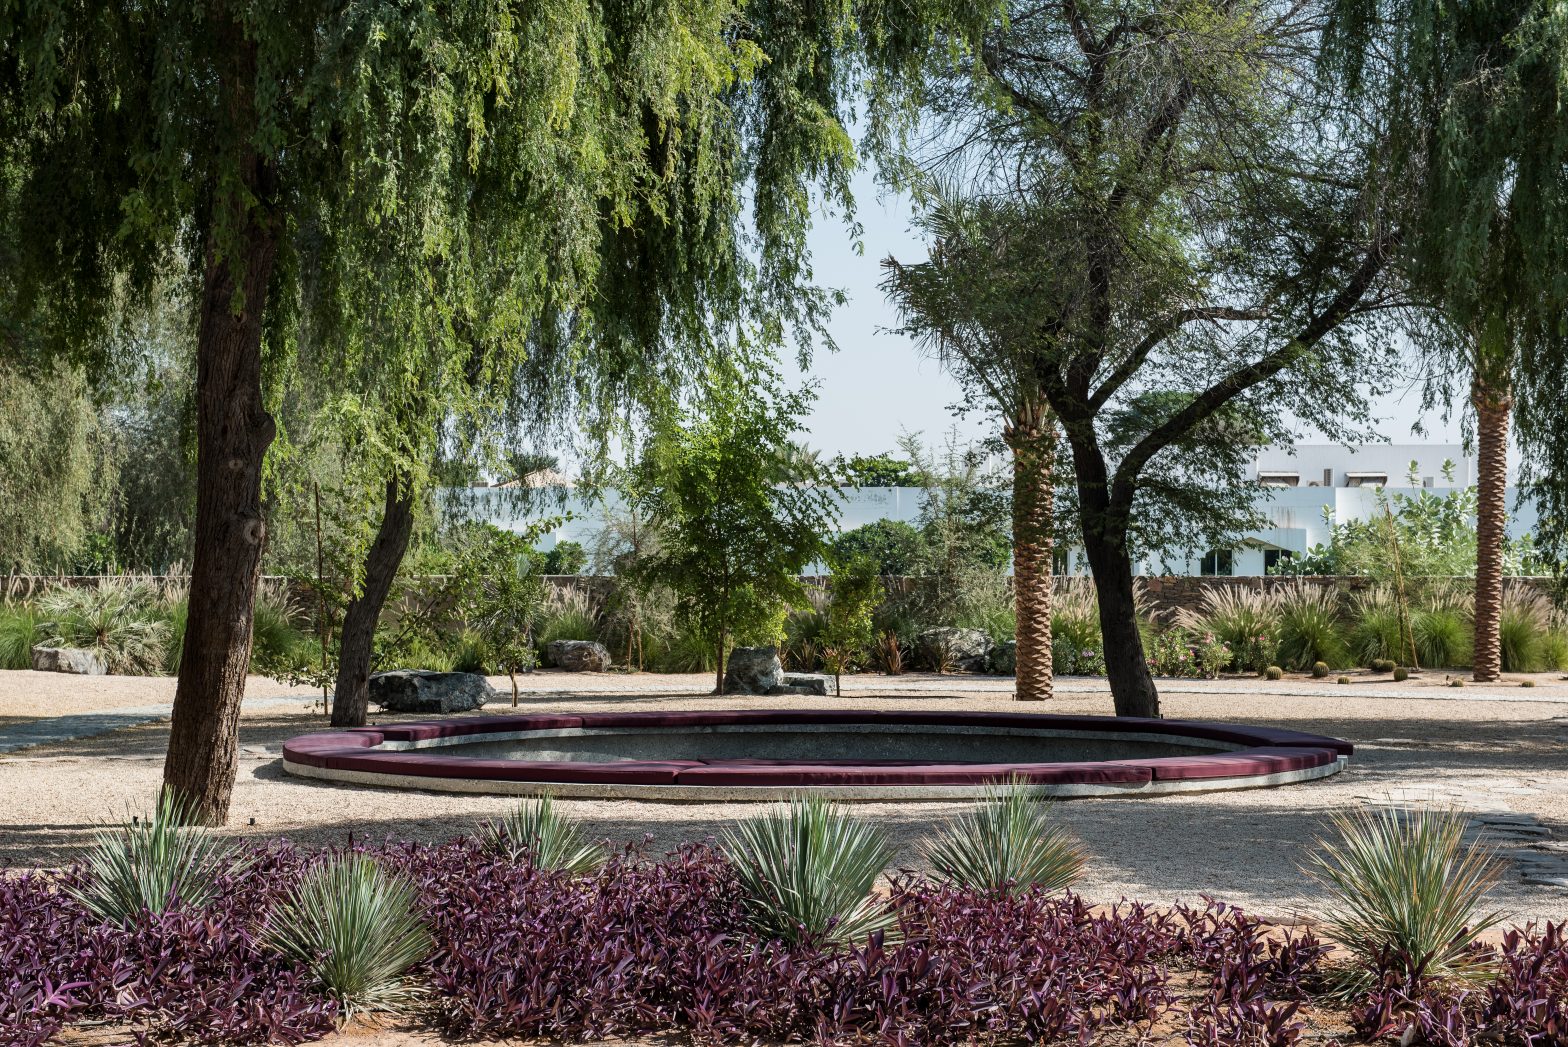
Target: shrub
150, 865
114, 618
1007, 843
1523, 628
358, 930
1246, 619
1076, 646
537, 833
1169, 653
567, 614
274, 638
1377, 631
1309, 627
470, 654
18, 633
1406, 893
1443, 637
806, 872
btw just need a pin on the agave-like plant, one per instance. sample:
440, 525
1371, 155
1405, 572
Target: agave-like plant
150, 864
1407, 893
807, 871
537, 832
1007, 844
357, 929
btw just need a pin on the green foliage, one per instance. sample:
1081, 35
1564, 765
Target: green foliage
735, 523
1008, 843
1406, 893
567, 557
151, 864
502, 595
536, 832
1524, 629
357, 929
881, 470
847, 627
115, 618
807, 871
1377, 632
1169, 653
1076, 646
18, 633
1310, 628
1247, 620
896, 547
567, 614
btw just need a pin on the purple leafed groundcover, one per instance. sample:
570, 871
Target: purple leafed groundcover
650, 946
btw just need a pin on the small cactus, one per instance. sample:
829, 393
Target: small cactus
1401, 674
1526, 683
1456, 682
1320, 669
1274, 672
1382, 665
1344, 679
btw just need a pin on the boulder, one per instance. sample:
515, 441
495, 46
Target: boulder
578, 656
809, 683
1003, 659
753, 670
424, 691
962, 649
69, 660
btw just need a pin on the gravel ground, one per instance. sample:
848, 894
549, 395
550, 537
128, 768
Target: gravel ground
1503, 759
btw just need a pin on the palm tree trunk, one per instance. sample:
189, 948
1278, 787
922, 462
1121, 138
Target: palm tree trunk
1493, 401
1034, 458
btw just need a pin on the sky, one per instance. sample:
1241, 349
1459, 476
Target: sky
878, 386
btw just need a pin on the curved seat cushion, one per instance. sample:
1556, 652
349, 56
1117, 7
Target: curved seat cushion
1243, 763
771, 773
423, 765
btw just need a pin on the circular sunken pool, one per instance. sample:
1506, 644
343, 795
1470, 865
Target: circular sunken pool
843, 754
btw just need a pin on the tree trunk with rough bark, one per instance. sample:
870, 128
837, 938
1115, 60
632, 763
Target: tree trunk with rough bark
1034, 456
357, 636
233, 431
1493, 401
1132, 686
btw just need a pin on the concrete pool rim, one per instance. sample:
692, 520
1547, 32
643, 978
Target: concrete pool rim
419, 755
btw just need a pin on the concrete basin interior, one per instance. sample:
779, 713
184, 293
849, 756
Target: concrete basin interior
844, 754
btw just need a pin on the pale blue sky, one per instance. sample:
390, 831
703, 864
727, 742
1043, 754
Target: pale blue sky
877, 385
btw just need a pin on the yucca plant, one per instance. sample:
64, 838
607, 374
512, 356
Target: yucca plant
357, 929
1309, 628
1406, 894
536, 832
807, 870
1007, 844
151, 864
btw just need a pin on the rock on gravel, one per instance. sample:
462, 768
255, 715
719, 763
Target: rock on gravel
73, 660
579, 656
424, 691
753, 670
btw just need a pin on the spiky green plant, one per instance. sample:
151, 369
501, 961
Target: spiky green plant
1406, 893
1377, 631
535, 831
1309, 628
1007, 843
357, 929
150, 864
1443, 637
116, 618
18, 633
807, 870
1523, 628
1233, 614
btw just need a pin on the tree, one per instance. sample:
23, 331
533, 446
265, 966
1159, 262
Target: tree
847, 634
736, 520
392, 187
1471, 96
881, 470
1155, 199
502, 594
893, 546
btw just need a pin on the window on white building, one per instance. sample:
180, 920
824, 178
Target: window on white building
1217, 563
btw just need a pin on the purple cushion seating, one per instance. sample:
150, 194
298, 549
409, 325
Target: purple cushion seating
1244, 763
746, 772
420, 765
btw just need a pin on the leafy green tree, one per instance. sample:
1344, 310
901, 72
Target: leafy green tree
735, 519
1153, 198
1469, 100
505, 595
893, 546
881, 470
422, 206
847, 631
566, 557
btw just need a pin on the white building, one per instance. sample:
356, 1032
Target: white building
1302, 483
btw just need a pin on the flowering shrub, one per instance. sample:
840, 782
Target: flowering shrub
1170, 653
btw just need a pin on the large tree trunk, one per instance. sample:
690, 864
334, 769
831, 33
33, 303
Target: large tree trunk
1132, 686
233, 432
1493, 400
1034, 456
357, 636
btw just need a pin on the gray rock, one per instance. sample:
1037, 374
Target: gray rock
578, 656
809, 683
753, 670
962, 649
1003, 659
68, 660
423, 691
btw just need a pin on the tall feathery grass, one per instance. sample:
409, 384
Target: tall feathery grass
1310, 628
1407, 894
807, 871
358, 930
1245, 619
151, 864
18, 633
1007, 843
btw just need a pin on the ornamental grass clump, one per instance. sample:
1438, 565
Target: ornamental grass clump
1007, 844
357, 929
1309, 628
807, 870
539, 834
1407, 895
152, 864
